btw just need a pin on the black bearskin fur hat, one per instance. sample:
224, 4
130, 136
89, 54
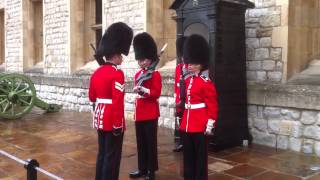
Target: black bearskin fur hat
196, 50
179, 46
145, 47
115, 40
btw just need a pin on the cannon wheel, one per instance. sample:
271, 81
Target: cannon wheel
17, 96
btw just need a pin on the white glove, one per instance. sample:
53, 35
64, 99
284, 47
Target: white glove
135, 89
210, 125
141, 89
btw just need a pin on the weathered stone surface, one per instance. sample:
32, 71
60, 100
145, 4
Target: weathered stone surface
268, 65
250, 53
264, 32
264, 3
250, 122
262, 53
274, 126
275, 53
261, 76
312, 132
252, 111
295, 144
260, 124
284, 95
282, 142
252, 42
317, 148
260, 111
251, 75
309, 117
253, 65
290, 114
275, 76
272, 113
251, 33
130, 12
270, 21
285, 127
263, 138
307, 146
265, 42
13, 39
279, 66
297, 129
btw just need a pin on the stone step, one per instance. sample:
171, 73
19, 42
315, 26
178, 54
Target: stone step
315, 62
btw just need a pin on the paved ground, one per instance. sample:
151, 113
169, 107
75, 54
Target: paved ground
65, 145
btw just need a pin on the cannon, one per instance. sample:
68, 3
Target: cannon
18, 96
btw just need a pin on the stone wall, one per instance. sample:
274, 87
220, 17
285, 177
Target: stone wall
13, 35
285, 116
285, 128
56, 37
265, 60
72, 93
2, 4
133, 13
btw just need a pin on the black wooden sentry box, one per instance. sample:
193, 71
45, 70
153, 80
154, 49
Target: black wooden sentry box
222, 23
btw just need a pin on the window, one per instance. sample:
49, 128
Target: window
86, 29
33, 35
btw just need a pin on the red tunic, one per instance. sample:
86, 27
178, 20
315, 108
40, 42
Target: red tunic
107, 90
202, 96
147, 106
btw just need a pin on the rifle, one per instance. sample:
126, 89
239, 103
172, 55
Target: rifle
143, 77
99, 59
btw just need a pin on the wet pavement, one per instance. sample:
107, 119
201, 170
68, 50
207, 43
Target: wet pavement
66, 146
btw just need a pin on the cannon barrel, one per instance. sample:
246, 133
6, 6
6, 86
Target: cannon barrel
18, 96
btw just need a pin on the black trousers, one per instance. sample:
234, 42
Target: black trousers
177, 136
146, 134
195, 156
109, 155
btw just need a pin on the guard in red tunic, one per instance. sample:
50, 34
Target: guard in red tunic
106, 91
147, 85
181, 73
201, 109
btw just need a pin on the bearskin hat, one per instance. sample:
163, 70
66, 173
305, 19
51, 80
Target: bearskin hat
115, 40
179, 46
196, 50
145, 47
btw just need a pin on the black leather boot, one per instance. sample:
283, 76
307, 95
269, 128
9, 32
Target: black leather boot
137, 174
150, 175
178, 148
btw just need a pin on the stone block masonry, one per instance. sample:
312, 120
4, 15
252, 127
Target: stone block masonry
131, 12
264, 61
56, 34
285, 116
13, 36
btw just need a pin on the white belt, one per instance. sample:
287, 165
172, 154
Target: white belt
104, 101
195, 106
